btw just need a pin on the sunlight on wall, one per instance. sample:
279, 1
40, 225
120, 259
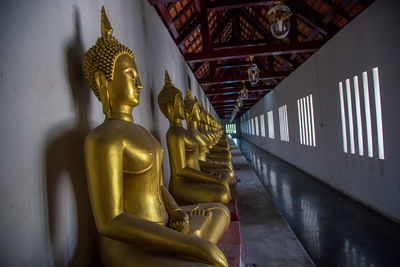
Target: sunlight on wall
305, 109
359, 111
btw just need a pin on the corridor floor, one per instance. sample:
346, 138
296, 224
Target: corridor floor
334, 229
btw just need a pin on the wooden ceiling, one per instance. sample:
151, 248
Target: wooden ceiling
216, 38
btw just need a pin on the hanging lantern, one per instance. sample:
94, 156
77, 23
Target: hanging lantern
239, 102
244, 93
253, 72
279, 20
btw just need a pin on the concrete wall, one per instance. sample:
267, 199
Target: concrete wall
371, 40
47, 109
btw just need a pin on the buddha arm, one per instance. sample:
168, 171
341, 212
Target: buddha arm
105, 181
220, 155
196, 175
176, 150
211, 165
218, 149
169, 201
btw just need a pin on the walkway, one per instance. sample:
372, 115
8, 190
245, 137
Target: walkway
334, 229
266, 238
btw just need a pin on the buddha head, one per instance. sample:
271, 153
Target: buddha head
202, 114
170, 101
111, 71
192, 110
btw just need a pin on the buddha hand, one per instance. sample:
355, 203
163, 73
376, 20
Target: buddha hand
219, 177
179, 220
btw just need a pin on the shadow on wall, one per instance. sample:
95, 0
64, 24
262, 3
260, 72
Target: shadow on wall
72, 228
155, 131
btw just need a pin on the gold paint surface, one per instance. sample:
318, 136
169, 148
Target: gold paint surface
190, 181
139, 222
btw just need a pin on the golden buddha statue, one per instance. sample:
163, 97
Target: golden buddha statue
138, 220
217, 150
193, 119
192, 114
188, 183
218, 135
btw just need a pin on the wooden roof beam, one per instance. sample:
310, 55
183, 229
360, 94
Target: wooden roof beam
171, 26
219, 106
225, 99
194, 26
237, 78
183, 11
259, 28
312, 18
233, 64
266, 34
262, 50
156, 2
233, 4
234, 44
221, 26
222, 92
204, 30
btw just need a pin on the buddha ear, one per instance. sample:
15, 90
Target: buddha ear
102, 86
170, 110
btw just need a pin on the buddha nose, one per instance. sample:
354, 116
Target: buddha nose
139, 84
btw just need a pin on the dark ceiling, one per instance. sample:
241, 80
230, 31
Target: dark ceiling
216, 38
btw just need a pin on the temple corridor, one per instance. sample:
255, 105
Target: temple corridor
334, 229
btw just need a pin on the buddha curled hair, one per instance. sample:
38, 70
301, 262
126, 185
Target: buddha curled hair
167, 95
103, 55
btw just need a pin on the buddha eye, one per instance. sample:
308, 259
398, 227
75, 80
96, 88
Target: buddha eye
131, 74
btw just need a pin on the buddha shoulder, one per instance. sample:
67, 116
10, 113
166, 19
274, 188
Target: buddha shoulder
105, 135
132, 142
176, 132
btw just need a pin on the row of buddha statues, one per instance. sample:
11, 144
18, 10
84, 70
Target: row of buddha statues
140, 222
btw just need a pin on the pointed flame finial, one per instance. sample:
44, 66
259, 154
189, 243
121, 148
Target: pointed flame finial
106, 28
167, 79
188, 95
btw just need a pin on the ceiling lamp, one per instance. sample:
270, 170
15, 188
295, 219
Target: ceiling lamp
244, 93
239, 102
279, 20
253, 72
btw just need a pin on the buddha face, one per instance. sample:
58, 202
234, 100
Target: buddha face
196, 113
125, 86
178, 110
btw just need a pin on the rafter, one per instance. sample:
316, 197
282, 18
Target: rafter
219, 106
233, 4
183, 11
156, 2
262, 50
239, 86
221, 26
234, 44
232, 64
194, 26
266, 34
238, 78
259, 28
233, 98
205, 31
312, 18
231, 91
171, 26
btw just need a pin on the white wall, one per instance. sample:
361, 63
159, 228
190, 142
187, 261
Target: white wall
47, 109
370, 40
